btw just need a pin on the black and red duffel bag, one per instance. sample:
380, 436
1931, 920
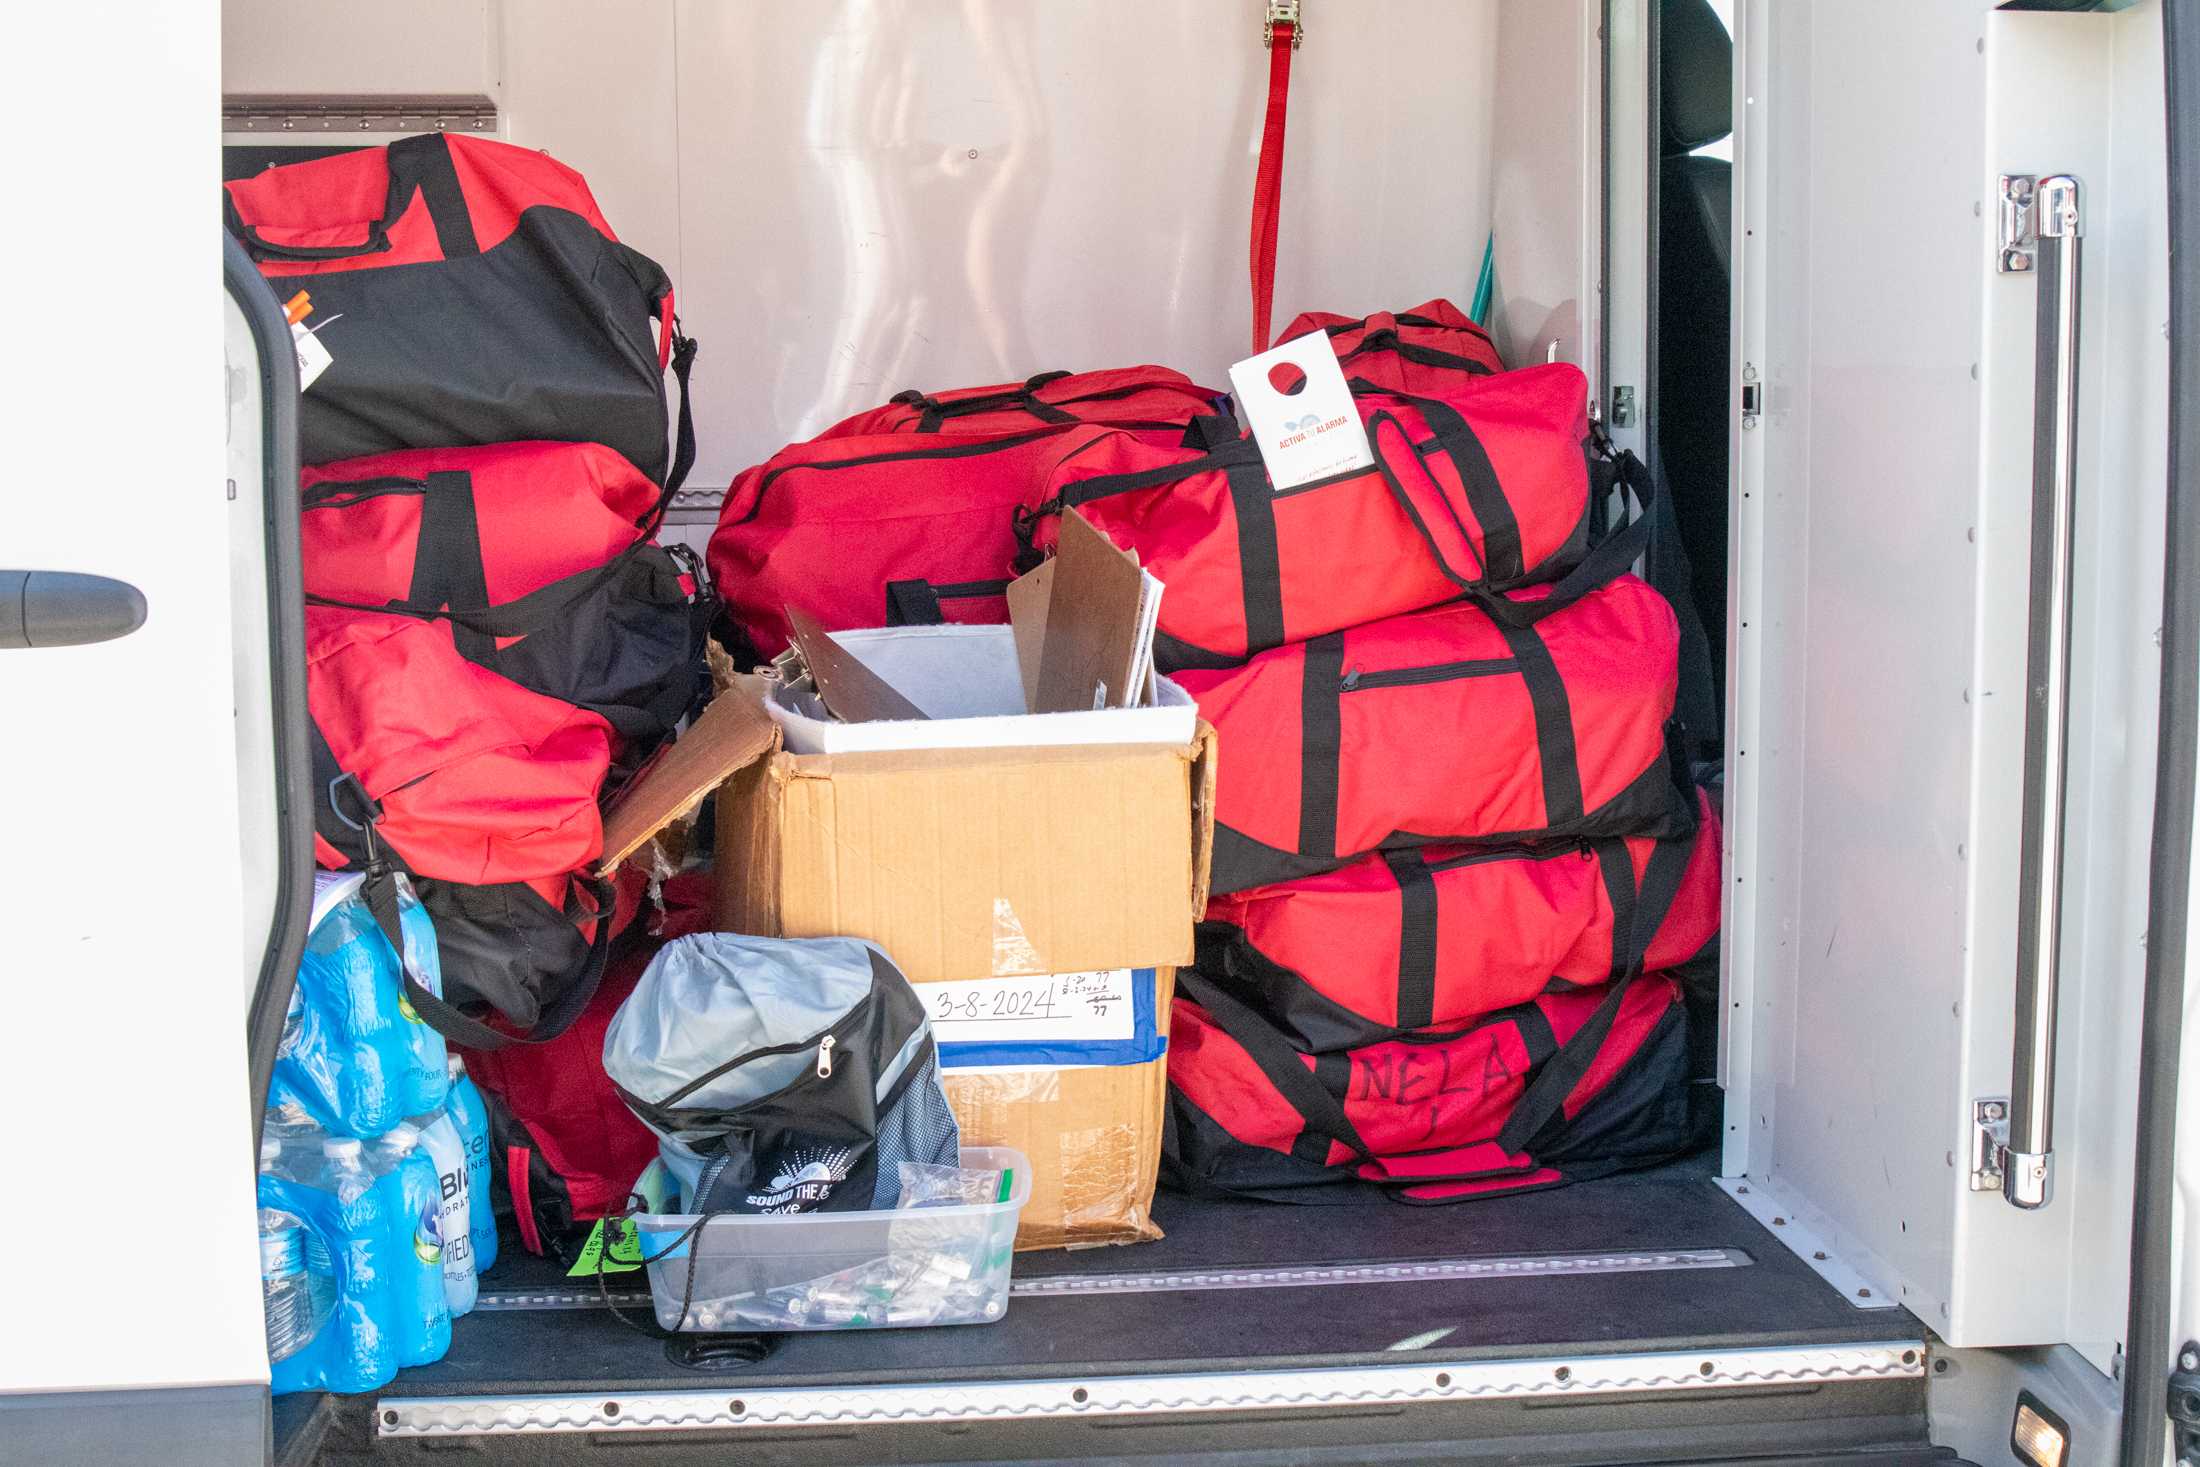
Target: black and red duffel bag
517, 314
1446, 725
1426, 350
1567, 1087
1153, 402
884, 530
1435, 935
564, 1148
1484, 489
534, 559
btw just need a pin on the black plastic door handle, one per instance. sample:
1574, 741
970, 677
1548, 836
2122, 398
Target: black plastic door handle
66, 609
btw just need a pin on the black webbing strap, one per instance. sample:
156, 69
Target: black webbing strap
1564, 802
1211, 431
1416, 938
1284, 1067
683, 438
1260, 570
380, 890
916, 603
417, 164
1321, 744
1643, 913
1611, 558
933, 412
425, 161
912, 604
447, 569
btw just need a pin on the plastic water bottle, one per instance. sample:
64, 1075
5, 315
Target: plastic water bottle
421, 1327
297, 1299
346, 1053
469, 1115
427, 1078
347, 1237
440, 1138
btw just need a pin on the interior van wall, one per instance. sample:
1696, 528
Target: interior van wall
855, 198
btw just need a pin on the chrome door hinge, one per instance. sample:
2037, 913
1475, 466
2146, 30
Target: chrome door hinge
1989, 1142
1282, 12
2018, 235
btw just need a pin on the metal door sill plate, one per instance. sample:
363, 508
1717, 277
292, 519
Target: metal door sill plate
1281, 1276
1423, 1382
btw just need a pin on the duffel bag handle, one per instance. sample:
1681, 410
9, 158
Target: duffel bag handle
416, 165
1611, 558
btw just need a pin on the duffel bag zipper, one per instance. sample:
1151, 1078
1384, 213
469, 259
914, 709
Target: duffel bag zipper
1439, 672
345, 493
1546, 851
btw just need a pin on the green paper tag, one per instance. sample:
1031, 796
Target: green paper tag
626, 1252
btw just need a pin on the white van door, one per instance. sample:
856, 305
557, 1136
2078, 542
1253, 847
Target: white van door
139, 880
1924, 346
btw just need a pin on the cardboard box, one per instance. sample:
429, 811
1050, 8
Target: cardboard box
1029, 875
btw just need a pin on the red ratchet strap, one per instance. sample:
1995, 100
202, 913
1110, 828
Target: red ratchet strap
1281, 34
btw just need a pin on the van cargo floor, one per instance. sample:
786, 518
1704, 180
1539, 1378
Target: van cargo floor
1655, 1261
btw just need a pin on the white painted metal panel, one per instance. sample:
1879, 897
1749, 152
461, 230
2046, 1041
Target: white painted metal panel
1882, 541
876, 196
129, 1147
1546, 184
418, 47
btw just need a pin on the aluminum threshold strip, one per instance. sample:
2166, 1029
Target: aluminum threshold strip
1409, 1271
1425, 1382
1283, 1276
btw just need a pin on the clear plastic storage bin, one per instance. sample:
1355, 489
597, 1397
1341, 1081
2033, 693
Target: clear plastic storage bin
839, 1270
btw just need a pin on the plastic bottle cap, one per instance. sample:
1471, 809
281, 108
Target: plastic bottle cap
271, 1151
403, 1137
455, 1065
341, 1146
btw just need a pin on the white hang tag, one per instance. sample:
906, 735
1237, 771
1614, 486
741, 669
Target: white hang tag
313, 358
1310, 431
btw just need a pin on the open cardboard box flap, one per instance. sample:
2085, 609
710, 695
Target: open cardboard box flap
732, 733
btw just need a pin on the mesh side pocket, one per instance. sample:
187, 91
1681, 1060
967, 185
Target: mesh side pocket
919, 1127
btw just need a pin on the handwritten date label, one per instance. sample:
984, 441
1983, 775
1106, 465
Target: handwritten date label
1053, 1008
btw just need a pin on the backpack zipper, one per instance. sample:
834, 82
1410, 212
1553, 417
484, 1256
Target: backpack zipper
1438, 672
822, 1041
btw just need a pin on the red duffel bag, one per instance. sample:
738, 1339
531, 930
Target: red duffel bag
1446, 725
1564, 1088
517, 314
465, 775
882, 530
1154, 402
537, 557
1483, 489
1426, 350
1435, 935
564, 1148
